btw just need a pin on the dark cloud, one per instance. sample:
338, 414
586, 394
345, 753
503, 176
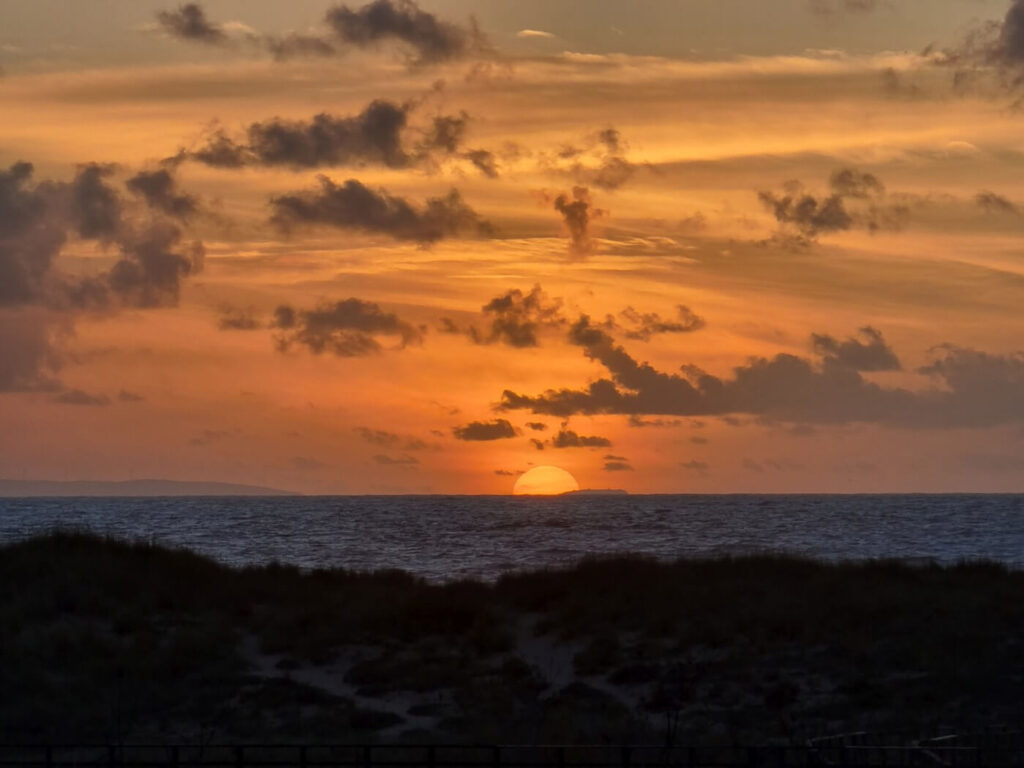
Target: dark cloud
566, 438
125, 396
238, 319
1010, 47
372, 137
600, 161
785, 387
385, 439
445, 134
154, 257
811, 215
612, 173
28, 349
159, 189
516, 318
379, 135
993, 46
508, 472
345, 328
378, 437
849, 182
637, 421
154, 262
808, 214
577, 212
426, 38
979, 388
617, 466
430, 39
78, 397
189, 22
95, 206
643, 325
974, 388
537, 426
396, 461
996, 43
867, 352
498, 429
449, 326
220, 151
355, 206
990, 202
611, 139
37, 218
484, 160
31, 235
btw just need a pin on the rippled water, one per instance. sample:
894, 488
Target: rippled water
444, 537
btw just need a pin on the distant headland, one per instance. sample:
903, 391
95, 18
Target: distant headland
597, 492
147, 487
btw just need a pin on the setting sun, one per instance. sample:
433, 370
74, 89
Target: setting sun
545, 481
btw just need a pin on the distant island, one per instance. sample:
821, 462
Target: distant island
148, 487
597, 492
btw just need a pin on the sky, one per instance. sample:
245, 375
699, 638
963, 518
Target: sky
707, 246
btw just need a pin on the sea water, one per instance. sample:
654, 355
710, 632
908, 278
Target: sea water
450, 537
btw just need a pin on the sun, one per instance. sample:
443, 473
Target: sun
545, 481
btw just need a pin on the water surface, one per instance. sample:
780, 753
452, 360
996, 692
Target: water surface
445, 537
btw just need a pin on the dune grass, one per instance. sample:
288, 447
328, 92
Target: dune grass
109, 640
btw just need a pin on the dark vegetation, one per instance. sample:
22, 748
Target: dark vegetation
103, 640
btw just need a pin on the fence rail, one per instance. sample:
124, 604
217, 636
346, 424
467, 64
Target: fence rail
501, 756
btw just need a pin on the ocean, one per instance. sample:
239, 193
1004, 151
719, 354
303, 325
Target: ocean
448, 537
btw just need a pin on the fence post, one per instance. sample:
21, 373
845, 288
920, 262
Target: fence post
239, 757
626, 757
430, 756
496, 757
174, 757
111, 755
560, 757
367, 756
49, 757
691, 757
302, 757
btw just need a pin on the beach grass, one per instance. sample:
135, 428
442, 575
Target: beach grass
108, 640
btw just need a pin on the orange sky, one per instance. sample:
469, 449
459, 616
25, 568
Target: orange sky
656, 272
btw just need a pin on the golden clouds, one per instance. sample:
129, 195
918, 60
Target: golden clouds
619, 187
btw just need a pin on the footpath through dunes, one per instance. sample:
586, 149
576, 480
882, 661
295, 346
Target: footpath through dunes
105, 640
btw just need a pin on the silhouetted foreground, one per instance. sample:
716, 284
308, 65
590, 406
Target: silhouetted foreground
997, 752
105, 641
